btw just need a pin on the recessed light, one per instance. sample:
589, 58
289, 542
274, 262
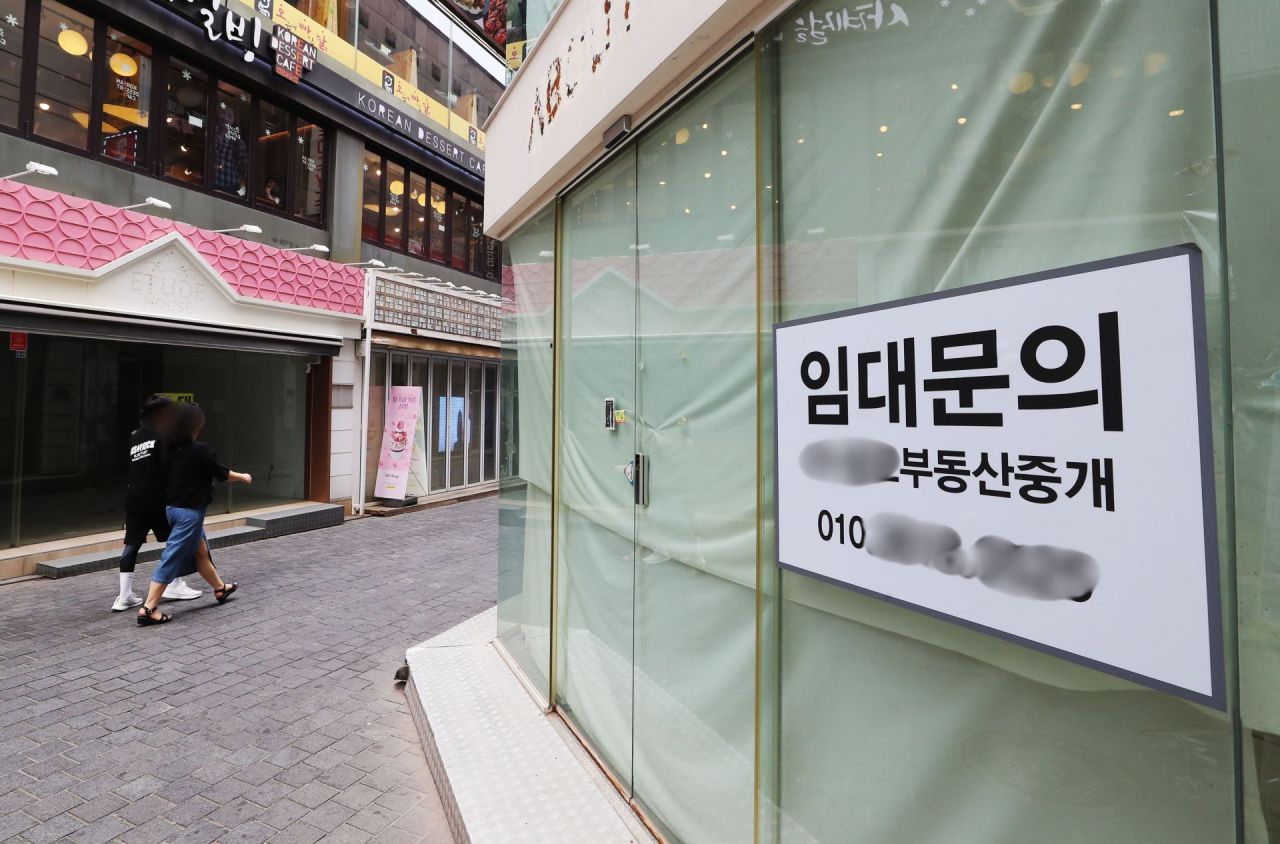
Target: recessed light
724, 152
883, 128
706, 175
705, 125
733, 208
1177, 112
879, 155
962, 120
1077, 106
687, 211
44, 106
799, 140
955, 86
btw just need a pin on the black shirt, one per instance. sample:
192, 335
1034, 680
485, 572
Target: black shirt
146, 471
193, 467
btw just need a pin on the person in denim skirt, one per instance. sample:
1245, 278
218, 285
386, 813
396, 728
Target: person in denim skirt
193, 469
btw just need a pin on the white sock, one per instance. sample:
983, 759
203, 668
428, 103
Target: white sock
126, 583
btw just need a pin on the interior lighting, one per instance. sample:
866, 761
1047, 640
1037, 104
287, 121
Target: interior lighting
71, 41
249, 228
706, 175
662, 183
1021, 82
800, 140
315, 247
122, 64
152, 201
962, 120
1077, 106
733, 208
955, 86
1077, 73
34, 168
682, 135
687, 211
396, 187
723, 153
883, 128
44, 106
705, 126
1177, 112
879, 155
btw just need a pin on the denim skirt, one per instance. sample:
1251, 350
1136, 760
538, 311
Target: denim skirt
179, 558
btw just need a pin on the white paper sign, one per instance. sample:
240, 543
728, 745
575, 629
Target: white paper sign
1031, 457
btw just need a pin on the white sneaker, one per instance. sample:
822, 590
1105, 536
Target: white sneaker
180, 591
124, 602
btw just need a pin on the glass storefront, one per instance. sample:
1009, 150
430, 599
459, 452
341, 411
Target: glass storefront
461, 428
73, 402
839, 166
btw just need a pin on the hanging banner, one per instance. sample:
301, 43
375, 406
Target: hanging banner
1031, 457
402, 465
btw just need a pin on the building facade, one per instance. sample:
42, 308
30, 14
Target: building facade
671, 181
281, 153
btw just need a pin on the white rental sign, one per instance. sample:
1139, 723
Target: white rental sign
1030, 457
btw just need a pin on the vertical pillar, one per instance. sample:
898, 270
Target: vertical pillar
345, 197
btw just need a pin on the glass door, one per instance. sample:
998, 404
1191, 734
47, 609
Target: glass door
696, 426
657, 465
596, 512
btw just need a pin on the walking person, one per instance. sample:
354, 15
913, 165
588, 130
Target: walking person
144, 503
193, 469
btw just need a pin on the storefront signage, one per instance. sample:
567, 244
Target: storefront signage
408, 125
402, 464
18, 344
1030, 457
290, 55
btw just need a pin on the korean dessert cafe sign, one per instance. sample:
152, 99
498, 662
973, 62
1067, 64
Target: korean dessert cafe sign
1030, 457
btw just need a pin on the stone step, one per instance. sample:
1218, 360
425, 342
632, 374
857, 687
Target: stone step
265, 526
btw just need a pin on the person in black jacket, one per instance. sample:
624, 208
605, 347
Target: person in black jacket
144, 503
193, 469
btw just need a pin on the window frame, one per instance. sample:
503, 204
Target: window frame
162, 53
451, 190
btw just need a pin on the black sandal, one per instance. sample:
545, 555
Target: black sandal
221, 595
147, 619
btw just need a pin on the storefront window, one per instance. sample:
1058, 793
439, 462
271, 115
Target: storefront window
11, 38
437, 228
230, 145
441, 444
275, 146
394, 208
458, 234
64, 432
475, 238
490, 433
338, 16
371, 202
185, 123
456, 423
64, 76
475, 422
962, 149
416, 211
377, 417
308, 182
126, 99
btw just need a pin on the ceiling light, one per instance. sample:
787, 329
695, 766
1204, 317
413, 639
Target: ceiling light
682, 135
962, 120
1077, 106
71, 41
879, 155
396, 187
1177, 112
883, 128
724, 152
733, 208
1021, 82
704, 125
799, 140
44, 106
955, 86
123, 64
687, 211
706, 175
662, 182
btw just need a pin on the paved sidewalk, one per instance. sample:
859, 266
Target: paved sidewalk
273, 717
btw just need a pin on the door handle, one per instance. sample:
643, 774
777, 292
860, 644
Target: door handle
641, 486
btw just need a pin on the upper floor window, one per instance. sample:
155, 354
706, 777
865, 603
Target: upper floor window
101, 91
406, 211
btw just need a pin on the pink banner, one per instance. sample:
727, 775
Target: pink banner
396, 462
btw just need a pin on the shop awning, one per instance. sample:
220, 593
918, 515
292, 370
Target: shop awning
73, 323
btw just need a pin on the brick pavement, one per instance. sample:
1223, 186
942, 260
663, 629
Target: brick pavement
271, 718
